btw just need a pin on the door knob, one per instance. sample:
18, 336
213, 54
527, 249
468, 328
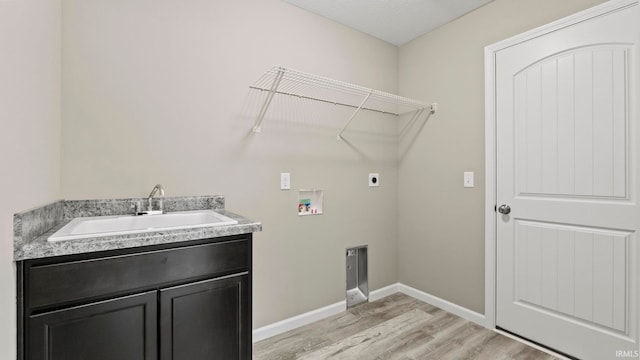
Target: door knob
504, 209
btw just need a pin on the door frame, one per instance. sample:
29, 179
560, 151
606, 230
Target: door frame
490, 137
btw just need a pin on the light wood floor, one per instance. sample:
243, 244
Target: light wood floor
396, 327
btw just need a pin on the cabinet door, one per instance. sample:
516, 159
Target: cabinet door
117, 329
206, 320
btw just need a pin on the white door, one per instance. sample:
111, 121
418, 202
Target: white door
567, 162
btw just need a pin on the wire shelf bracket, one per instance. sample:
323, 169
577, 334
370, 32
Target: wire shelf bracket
267, 102
288, 82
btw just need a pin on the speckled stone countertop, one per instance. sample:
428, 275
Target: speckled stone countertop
33, 227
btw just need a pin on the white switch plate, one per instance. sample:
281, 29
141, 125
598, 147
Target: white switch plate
285, 181
468, 179
374, 179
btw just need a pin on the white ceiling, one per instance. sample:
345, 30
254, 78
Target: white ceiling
394, 21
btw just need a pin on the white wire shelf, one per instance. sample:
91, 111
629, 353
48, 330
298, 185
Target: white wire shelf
283, 81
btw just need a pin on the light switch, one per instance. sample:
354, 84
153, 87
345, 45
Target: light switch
285, 181
468, 179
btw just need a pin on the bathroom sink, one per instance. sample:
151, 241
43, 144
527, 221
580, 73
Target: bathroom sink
128, 224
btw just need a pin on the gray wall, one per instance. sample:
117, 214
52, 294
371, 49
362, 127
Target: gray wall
30, 133
157, 91
441, 224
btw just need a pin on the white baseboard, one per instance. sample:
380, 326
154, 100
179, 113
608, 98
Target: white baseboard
315, 315
298, 321
330, 310
382, 292
448, 306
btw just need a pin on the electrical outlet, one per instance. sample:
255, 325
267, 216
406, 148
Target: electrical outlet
374, 179
285, 181
468, 179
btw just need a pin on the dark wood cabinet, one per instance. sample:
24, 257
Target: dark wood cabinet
122, 328
197, 320
186, 301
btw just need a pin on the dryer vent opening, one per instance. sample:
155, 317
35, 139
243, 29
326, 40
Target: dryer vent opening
357, 276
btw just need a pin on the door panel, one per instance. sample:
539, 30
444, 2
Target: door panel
123, 328
567, 162
568, 149
205, 320
577, 272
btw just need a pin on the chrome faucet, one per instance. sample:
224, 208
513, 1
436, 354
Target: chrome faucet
156, 189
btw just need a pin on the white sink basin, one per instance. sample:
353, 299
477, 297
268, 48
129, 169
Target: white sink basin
128, 224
